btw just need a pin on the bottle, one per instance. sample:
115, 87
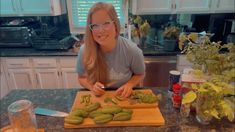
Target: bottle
176, 97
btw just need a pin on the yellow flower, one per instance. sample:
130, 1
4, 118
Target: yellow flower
193, 37
144, 28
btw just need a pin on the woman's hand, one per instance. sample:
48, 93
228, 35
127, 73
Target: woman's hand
97, 89
124, 91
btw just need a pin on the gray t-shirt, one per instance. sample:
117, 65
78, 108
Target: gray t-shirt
125, 60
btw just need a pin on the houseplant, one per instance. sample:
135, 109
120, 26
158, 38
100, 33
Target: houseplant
170, 36
215, 97
141, 30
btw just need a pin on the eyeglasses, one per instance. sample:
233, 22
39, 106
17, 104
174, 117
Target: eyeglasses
96, 27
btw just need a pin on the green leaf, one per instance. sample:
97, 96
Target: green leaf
214, 87
227, 110
194, 86
201, 89
231, 103
228, 89
214, 113
189, 97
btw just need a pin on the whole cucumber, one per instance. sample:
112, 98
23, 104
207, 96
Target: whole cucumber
73, 120
103, 118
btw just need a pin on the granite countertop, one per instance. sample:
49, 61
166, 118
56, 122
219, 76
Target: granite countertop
16, 52
62, 100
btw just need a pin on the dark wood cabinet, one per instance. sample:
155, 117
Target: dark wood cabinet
157, 70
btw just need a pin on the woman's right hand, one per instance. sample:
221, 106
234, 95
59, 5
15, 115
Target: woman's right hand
97, 89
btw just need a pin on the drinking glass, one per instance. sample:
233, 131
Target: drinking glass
22, 117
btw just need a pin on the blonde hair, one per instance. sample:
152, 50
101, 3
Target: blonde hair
93, 59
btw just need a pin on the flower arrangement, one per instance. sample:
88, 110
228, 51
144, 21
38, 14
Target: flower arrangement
215, 97
171, 32
142, 28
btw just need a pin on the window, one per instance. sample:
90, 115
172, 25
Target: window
78, 11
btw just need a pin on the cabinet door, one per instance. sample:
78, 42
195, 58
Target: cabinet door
151, 6
47, 78
4, 86
192, 6
8, 7
21, 78
32, 7
224, 6
70, 78
157, 70
40, 7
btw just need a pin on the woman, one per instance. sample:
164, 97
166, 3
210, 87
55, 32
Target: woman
107, 59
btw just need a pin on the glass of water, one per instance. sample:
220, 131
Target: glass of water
22, 117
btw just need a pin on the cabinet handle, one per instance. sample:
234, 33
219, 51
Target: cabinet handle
21, 5
175, 6
172, 6
218, 2
52, 8
30, 81
44, 64
37, 78
13, 5
16, 64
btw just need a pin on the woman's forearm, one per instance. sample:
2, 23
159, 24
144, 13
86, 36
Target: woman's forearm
84, 82
135, 79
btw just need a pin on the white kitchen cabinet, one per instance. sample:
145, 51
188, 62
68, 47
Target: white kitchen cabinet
191, 6
7, 7
32, 7
19, 73
68, 72
47, 78
4, 85
40, 72
21, 78
140, 7
47, 74
70, 78
223, 6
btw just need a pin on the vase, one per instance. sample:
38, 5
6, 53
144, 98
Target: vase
169, 45
143, 42
201, 117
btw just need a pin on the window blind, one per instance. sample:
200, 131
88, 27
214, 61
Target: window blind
80, 10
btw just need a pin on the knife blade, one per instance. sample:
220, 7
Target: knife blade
48, 112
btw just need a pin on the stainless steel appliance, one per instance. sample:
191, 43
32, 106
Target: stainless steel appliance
157, 70
229, 26
52, 38
229, 30
17, 33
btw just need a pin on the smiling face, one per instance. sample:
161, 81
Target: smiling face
103, 28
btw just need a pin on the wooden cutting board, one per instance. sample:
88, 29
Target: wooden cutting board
143, 114
140, 117
124, 104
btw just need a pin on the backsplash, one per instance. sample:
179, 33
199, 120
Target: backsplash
211, 23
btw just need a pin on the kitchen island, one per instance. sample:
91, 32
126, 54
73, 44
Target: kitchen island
62, 100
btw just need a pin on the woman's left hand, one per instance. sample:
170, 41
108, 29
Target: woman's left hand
124, 91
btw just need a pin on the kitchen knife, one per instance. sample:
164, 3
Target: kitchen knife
48, 112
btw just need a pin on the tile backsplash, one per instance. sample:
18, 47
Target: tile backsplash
211, 23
